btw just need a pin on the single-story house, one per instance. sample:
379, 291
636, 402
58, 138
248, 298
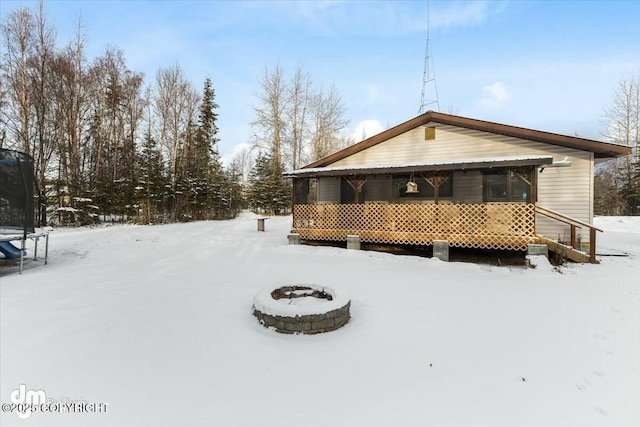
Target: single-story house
472, 183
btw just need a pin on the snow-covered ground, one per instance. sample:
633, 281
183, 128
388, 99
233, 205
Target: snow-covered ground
156, 321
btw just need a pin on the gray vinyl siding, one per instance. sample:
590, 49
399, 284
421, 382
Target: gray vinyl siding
568, 190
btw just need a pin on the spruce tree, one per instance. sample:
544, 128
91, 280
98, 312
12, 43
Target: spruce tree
232, 197
630, 189
205, 173
268, 192
152, 182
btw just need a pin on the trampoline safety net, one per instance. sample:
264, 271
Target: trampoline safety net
16, 191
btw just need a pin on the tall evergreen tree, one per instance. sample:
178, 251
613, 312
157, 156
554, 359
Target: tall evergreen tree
268, 191
232, 197
204, 173
630, 189
152, 182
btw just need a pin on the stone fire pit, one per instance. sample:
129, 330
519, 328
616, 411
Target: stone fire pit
306, 309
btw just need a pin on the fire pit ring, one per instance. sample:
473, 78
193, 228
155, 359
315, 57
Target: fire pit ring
302, 309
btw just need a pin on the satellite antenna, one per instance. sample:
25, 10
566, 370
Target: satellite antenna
428, 76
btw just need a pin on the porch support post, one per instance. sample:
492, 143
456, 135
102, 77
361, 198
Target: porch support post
294, 184
435, 181
534, 186
592, 245
356, 183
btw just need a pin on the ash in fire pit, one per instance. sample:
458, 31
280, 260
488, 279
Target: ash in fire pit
300, 295
306, 309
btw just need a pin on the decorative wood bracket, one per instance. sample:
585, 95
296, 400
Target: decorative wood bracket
357, 182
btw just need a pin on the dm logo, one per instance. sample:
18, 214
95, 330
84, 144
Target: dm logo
26, 399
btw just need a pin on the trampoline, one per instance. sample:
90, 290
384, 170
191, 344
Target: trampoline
17, 220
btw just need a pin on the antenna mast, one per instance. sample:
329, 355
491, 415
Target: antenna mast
427, 78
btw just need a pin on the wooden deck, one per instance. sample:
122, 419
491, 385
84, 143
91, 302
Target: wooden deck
503, 226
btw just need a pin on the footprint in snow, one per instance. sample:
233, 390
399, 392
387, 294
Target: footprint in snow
600, 411
583, 385
600, 337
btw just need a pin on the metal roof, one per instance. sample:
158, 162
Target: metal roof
448, 165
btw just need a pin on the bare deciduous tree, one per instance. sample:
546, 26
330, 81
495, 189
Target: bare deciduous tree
269, 125
243, 161
328, 123
41, 93
175, 102
83, 120
622, 123
624, 113
299, 95
17, 32
70, 103
296, 123
116, 112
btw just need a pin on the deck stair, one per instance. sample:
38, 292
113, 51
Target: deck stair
569, 251
566, 251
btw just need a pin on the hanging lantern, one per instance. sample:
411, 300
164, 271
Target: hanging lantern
412, 186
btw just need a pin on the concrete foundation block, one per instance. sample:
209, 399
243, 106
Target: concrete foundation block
537, 249
294, 239
353, 242
441, 250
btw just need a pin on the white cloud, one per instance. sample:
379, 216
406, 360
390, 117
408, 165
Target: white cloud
495, 95
366, 129
330, 18
227, 158
462, 14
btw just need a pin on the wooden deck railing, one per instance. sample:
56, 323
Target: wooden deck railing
509, 226
573, 223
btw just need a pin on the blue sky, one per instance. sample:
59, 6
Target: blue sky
546, 65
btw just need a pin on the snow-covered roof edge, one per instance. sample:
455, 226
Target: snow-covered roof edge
458, 164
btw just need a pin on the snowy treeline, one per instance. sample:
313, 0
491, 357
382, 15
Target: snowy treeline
103, 142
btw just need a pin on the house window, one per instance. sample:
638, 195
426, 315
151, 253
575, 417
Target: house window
507, 186
425, 190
